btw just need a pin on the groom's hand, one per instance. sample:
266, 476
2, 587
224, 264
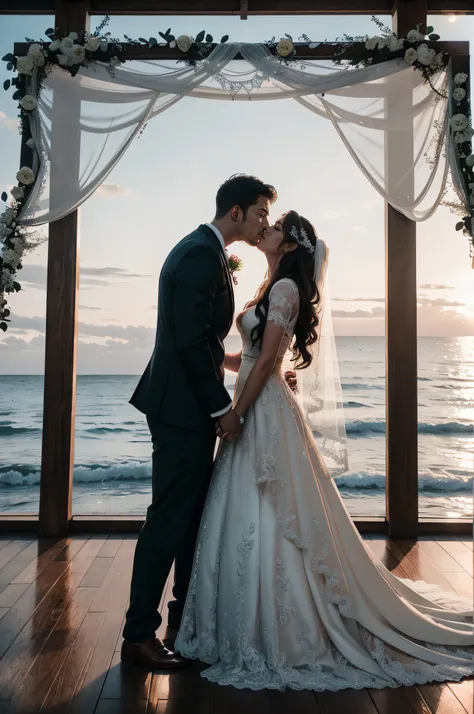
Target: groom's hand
291, 380
228, 426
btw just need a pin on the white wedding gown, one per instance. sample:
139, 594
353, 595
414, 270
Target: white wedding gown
283, 591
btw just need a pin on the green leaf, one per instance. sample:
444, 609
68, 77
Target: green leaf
170, 38
14, 81
429, 30
3, 326
161, 34
152, 42
10, 66
6, 312
434, 38
460, 226
17, 95
200, 36
224, 39
16, 287
6, 84
209, 38
142, 39
168, 31
49, 32
4, 196
8, 58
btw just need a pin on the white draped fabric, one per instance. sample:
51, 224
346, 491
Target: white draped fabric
393, 124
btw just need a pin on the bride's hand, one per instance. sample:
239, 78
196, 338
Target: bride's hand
291, 380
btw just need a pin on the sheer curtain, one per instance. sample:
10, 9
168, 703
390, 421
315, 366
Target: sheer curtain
84, 124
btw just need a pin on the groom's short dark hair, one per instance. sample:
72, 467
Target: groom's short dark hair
243, 191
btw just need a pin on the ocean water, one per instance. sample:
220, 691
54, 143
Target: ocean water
113, 451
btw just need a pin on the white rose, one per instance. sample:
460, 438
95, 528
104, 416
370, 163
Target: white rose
460, 78
66, 45
93, 44
77, 54
24, 65
73, 36
17, 192
11, 258
459, 122
411, 55
382, 42
459, 94
470, 160
425, 54
104, 46
55, 46
394, 43
63, 60
371, 43
25, 176
19, 244
184, 43
28, 103
37, 56
6, 280
115, 62
285, 48
460, 137
439, 59
415, 36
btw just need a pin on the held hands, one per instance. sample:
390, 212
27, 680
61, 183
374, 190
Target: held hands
290, 379
228, 426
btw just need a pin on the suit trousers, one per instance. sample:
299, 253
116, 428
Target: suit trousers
182, 470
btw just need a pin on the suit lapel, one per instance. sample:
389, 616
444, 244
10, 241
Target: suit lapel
225, 264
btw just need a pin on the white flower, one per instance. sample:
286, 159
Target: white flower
285, 48
460, 78
12, 258
66, 45
460, 137
17, 192
439, 59
382, 42
6, 280
93, 43
63, 60
77, 54
55, 46
459, 94
425, 54
371, 43
25, 176
411, 55
459, 122
73, 36
115, 62
104, 45
184, 42
8, 216
19, 244
415, 36
24, 65
470, 160
394, 44
28, 102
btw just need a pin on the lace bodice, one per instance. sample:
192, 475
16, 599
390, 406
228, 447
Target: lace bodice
283, 308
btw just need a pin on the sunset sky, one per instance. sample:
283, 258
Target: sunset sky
166, 184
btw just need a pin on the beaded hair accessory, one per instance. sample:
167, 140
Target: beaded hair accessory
301, 237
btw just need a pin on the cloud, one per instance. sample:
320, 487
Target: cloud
358, 299
435, 286
87, 307
439, 302
113, 189
35, 276
376, 312
331, 214
10, 123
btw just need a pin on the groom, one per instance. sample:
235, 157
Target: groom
182, 394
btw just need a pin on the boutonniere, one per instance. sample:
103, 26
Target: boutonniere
235, 264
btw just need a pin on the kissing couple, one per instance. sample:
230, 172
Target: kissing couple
273, 585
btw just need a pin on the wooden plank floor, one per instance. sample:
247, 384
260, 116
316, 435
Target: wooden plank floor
62, 605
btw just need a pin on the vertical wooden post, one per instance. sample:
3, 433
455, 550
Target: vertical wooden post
401, 323
57, 459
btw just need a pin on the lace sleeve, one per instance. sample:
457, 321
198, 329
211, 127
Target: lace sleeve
283, 303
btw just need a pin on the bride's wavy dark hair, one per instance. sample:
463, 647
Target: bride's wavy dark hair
298, 265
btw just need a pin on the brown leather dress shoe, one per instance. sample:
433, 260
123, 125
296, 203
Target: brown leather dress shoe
151, 654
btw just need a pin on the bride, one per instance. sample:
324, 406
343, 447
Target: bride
283, 591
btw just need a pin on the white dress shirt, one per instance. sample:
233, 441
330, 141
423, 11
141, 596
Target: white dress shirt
220, 238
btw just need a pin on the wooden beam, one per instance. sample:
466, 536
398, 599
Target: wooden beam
324, 51
401, 319
233, 7
244, 9
61, 313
